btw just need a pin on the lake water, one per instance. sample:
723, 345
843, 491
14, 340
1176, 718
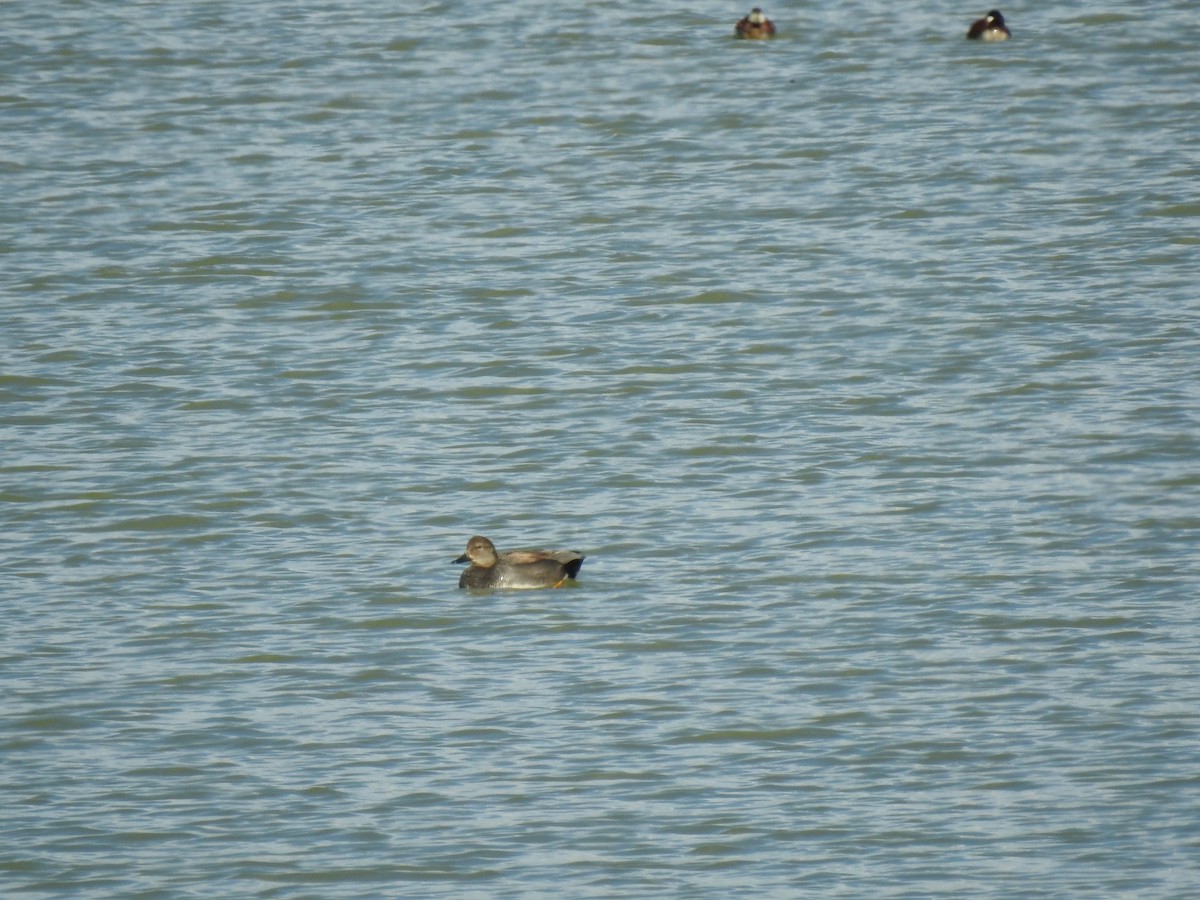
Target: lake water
863, 364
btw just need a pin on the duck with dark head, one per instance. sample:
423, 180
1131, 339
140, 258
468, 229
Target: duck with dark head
990, 28
755, 26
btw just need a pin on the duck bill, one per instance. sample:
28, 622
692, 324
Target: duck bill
462, 559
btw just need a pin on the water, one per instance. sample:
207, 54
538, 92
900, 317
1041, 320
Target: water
865, 372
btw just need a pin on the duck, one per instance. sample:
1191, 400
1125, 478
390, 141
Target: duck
990, 28
516, 569
755, 26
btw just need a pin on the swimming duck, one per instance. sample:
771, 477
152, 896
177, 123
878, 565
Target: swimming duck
990, 28
516, 568
755, 26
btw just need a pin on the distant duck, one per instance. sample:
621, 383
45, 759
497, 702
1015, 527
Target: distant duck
517, 568
755, 26
990, 28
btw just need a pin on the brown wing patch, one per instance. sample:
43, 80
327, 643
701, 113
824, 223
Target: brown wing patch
522, 557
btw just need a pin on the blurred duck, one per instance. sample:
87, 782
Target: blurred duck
515, 569
755, 26
990, 28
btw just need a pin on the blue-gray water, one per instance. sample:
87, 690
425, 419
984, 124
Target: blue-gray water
863, 364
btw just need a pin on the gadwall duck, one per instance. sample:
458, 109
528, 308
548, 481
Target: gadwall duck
516, 568
990, 28
755, 26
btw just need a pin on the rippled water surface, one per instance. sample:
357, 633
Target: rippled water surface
863, 364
